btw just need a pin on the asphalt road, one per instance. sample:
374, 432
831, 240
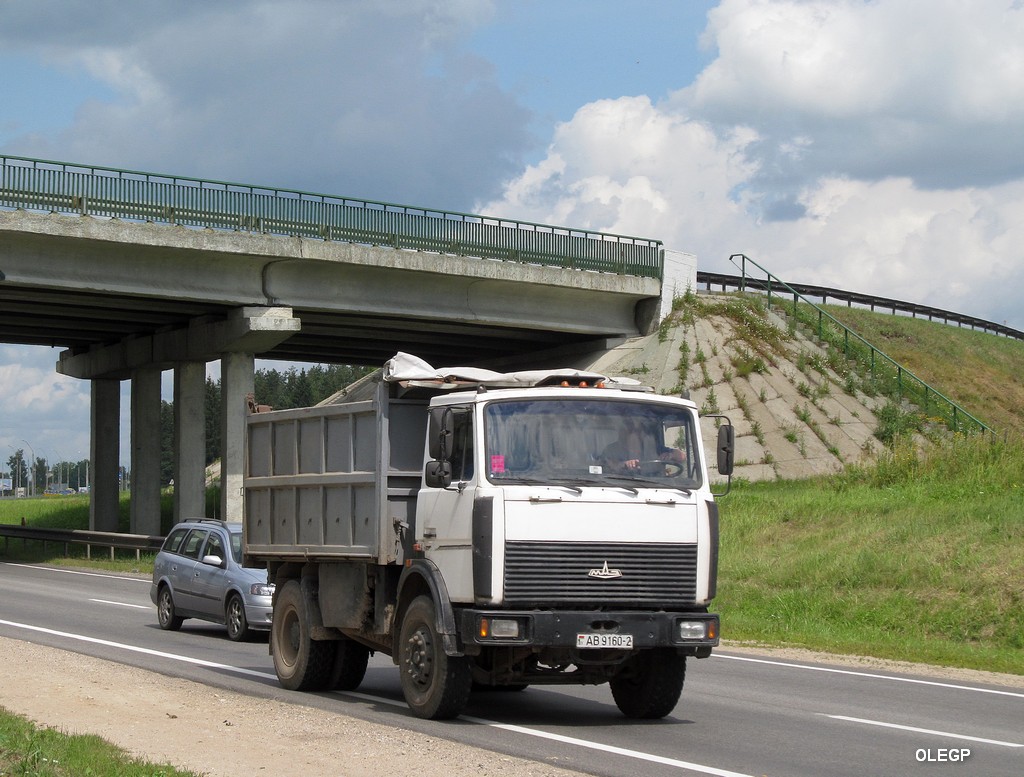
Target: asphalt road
740, 714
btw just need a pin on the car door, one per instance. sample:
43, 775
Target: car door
182, 571
209, 581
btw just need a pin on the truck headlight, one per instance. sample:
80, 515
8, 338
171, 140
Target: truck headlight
498, 628
690, 630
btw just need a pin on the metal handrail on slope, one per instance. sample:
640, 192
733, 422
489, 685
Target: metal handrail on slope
873, 302
128, 194
957, 420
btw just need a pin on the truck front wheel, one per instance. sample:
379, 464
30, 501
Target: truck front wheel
301, 663
649, 685
436, 686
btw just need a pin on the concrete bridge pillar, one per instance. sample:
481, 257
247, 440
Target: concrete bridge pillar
145, 436
105, 440
237, 381
236, 338
189, 440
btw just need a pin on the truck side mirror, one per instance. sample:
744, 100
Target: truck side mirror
438, 474
726, 449
438, 432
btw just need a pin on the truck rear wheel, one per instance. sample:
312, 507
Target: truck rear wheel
436, 686
350, 659
301, 663
649, 685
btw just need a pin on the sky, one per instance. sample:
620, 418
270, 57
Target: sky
873, 146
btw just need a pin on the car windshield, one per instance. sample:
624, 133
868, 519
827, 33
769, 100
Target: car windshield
580, 442
236, 546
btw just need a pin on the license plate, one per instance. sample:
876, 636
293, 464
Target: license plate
619, 641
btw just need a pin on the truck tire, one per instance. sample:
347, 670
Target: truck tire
649, 685
301, 663
350, 659
436, 686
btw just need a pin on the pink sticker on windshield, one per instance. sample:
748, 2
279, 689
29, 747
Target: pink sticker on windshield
497, 463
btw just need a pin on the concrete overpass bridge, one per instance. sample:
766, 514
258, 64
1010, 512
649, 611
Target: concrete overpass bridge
135, 273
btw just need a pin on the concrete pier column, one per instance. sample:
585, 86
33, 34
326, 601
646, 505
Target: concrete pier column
237, 381
145, 494
104, 454
189, 440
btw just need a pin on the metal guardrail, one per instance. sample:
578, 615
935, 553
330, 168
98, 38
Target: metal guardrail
874, 302
127, 194
882, 367
112, 540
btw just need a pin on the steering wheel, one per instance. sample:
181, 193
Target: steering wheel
669, 469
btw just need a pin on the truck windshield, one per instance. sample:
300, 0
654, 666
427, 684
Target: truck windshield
579, 442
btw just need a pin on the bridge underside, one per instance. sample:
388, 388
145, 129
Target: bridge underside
127, 300
52, 318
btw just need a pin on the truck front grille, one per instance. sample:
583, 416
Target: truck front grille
600, 573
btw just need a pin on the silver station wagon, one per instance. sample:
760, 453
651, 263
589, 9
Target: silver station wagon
198, 574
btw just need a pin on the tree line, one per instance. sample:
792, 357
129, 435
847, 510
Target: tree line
280, 390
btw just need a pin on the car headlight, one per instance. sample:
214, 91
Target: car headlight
262, 589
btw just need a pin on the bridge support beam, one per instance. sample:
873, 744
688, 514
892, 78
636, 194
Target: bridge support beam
105, 416
189, 440
236, 382
235, 340
145, 442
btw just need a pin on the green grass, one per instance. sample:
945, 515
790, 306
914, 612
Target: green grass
917, 558
72, 512
42, 752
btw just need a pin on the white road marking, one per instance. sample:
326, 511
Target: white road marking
570, 740
869, 675
146, 651
916, 730
376, 700
145, 580
120, 604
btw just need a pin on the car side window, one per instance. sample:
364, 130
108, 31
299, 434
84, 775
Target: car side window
214, 546
173, 541
193, 543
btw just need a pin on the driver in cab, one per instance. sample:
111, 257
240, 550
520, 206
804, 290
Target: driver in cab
636, 447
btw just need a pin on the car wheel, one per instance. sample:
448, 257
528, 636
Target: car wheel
234, 618
165, 610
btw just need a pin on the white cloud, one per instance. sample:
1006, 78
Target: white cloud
924, 88
816, 143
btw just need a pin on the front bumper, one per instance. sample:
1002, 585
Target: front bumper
560, 629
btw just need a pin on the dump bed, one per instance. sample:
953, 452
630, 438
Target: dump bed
336, 481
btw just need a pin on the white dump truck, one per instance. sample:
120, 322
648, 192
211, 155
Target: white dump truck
488, 531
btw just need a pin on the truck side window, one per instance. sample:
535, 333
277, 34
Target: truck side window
462, 446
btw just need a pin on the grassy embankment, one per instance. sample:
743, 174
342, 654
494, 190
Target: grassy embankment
918, 558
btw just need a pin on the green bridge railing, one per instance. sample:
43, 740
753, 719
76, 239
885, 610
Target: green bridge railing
884, 370
126, 194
